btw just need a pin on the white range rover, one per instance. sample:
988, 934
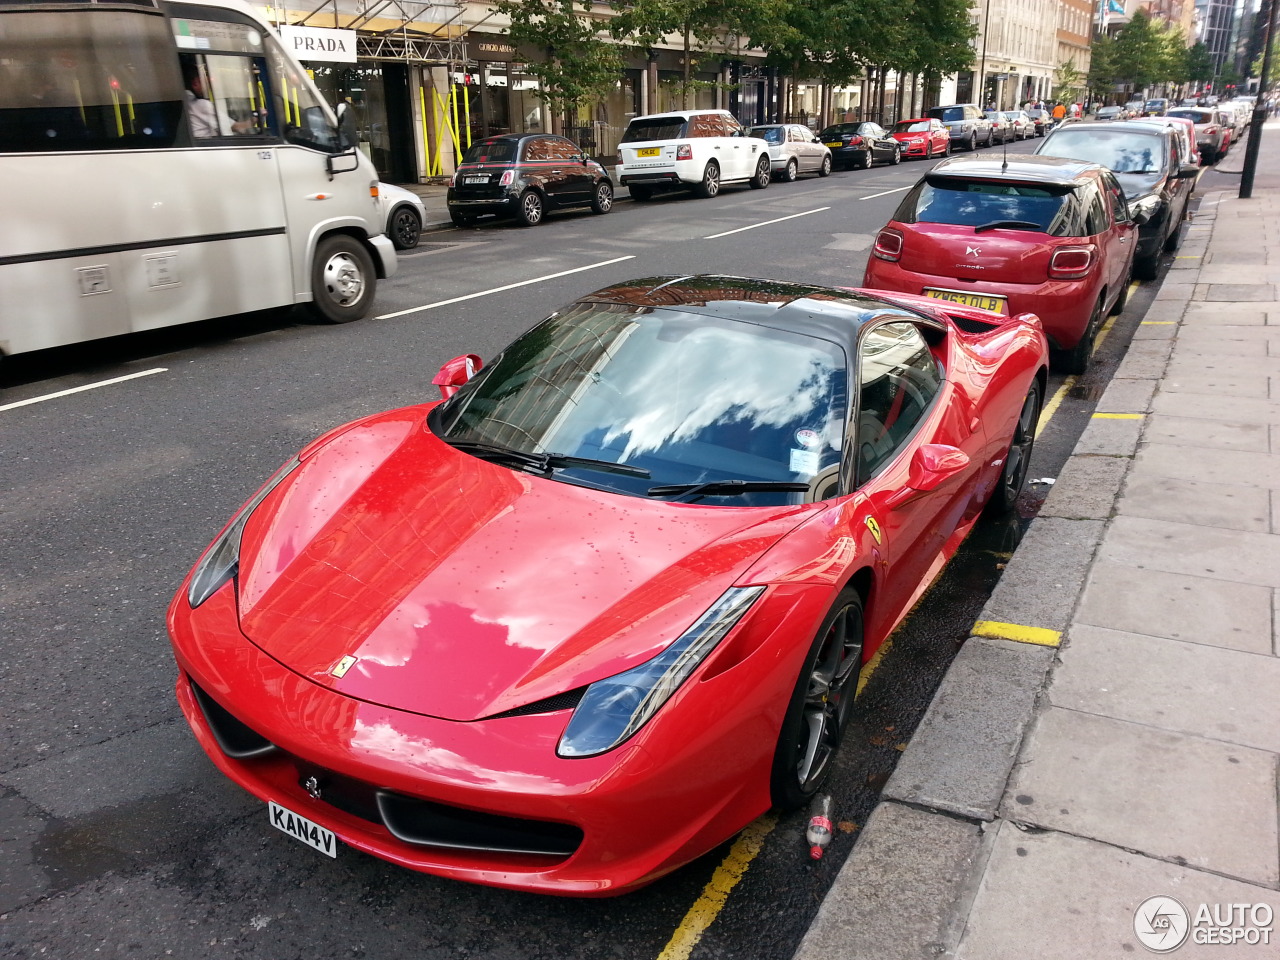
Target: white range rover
698, 149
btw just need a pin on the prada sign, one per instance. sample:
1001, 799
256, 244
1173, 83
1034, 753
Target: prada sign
320, 43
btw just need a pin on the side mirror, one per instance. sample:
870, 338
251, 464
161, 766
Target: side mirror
454, 373
931, 465
1139, 217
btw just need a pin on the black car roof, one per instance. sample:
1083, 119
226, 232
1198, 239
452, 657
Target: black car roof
828, 313
1022, 167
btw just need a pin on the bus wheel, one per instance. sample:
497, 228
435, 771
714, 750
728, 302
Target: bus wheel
342, 279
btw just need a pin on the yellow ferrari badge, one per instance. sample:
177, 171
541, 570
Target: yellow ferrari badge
874, 528
346, 663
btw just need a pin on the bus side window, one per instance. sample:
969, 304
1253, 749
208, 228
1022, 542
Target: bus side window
305, 119
226, 96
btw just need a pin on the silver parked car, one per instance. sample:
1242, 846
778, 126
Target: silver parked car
793, 150
1212, 137
1021, 126
403, 213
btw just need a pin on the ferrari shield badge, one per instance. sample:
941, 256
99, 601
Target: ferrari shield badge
871, 525
346, 663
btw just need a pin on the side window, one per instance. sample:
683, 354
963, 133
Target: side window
897, 381
536, 149
560, 149
1115, 195
226, 96
732, 128
1096, 218
704, 125
303, 117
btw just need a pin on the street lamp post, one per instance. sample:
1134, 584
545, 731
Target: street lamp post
1259, 111
981, 92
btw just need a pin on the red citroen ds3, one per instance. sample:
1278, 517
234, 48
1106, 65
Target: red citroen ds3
1022, 234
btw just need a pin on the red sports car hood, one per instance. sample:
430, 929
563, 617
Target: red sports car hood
465, 588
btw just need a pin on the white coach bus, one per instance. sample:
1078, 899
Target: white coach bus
163, 163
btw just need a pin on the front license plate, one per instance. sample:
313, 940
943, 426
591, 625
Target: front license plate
475, 179
300, 828
649, 152
995, 304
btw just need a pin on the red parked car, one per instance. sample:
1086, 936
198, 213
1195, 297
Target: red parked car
604, 605
923, 137
1043, 235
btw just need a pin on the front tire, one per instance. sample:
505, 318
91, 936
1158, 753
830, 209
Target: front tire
1018, 457
820, 705
709, 186
342, 279
530, 209
762, 177
602, 200
406, 228
825, 169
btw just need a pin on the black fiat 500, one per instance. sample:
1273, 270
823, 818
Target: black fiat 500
524, 176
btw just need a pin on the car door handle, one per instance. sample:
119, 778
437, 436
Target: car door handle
556, 173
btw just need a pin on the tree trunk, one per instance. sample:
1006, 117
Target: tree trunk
688, 69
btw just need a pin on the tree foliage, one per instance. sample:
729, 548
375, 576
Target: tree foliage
1141, 53
577, 66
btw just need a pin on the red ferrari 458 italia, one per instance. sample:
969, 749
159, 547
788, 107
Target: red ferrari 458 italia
607, 602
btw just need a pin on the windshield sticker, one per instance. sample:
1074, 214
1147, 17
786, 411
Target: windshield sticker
808, 439
804, 462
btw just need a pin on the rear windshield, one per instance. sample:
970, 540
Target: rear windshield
1121, 150
837, 129
911, 126
972, 203
491, 151
947, 114
654, 128
1195, 116
768, 134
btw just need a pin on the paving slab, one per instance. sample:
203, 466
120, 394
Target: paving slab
1156, 330
1138, 366
1150, 493
1227, 467
1172, 796
898, 895
1127, 396
1237, 616
1230, 273
1245, 291
1209, 406
1174, 291
1185, 687
1233, 555
1165, 310
1087, 487
1200, 313
1040, 585
959, 759
1110, 438
1056, 897
1189, 363
1236, 384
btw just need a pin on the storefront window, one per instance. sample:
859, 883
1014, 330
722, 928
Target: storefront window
361, 86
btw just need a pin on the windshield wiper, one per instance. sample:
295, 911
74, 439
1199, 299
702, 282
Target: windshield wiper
1009, 225
692, 491
543, 462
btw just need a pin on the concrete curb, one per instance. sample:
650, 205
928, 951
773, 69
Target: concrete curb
906, 889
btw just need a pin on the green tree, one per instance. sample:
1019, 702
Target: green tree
1102, 68
1199, 64
1140, 52
708, 29
1068, 81
578, 65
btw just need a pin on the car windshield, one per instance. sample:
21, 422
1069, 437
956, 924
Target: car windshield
768, 134
970, 203
1154, 104
654, 128
912, 126
947, 114
1121, 150
491, 151
1012, 114
688, 397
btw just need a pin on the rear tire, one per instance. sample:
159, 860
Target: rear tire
825, 169
1117, 308
863, 161
709, 186
820, 705
530, 209
602, 199
973, 142
342, 279
790, 172
640, 193
461, 219
1076, 360
762, 177
1018, 457
897, 156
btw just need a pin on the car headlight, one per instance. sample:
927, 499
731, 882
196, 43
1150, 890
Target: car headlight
221, 561
613, 709
1150, 205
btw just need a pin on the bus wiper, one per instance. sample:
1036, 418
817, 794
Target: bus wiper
720, 488
543, 462
1009, 225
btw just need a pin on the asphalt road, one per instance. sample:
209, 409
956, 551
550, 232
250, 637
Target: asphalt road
118, 837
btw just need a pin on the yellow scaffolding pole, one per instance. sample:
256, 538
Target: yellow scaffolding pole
466, 107
426, 135
457, 143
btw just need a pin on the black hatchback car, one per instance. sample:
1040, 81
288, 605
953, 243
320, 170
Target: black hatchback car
860, 144
523, 176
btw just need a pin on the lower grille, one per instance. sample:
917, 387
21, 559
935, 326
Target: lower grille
235, 738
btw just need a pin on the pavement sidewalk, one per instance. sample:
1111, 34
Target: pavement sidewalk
1111, 732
